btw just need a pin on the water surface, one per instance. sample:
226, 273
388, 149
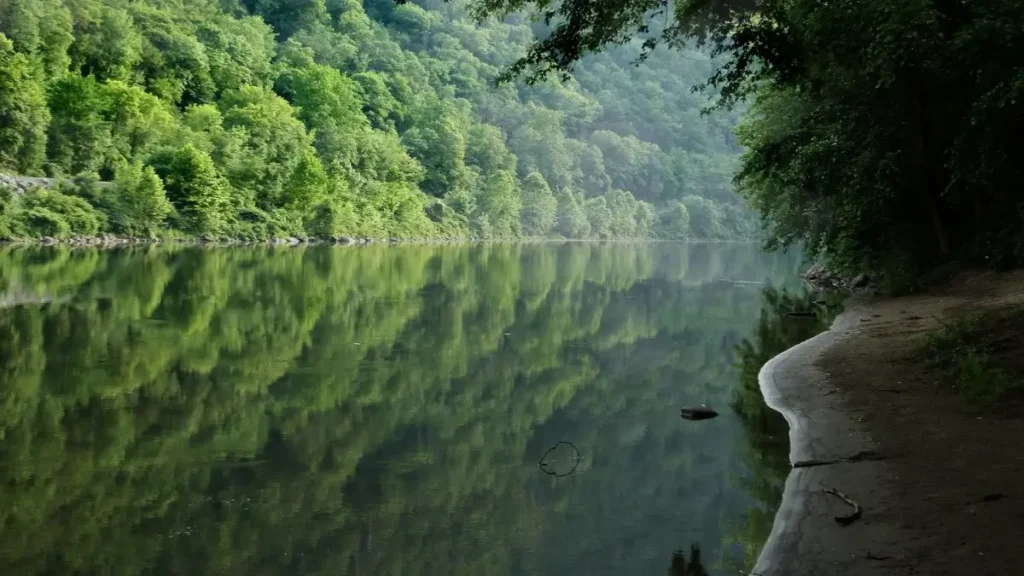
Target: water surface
382, 410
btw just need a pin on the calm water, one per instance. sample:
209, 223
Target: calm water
382, 410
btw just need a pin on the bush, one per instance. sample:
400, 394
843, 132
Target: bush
962, 352
52, 213
329, 219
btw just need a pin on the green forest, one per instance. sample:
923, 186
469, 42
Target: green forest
879, 133
260, 119
380, 410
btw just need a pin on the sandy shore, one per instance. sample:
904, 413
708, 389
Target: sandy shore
940, 484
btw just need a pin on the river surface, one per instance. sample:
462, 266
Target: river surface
388, 410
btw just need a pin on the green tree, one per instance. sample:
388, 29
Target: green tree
540, 207
79, 138
572, 218
23, 113
107, 46
674, 222
40, 28
199, 194
140, 204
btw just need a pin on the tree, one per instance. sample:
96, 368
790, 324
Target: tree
704, 216
869, 161
331, 106
274, 138
39, 28
79, 138
140, 205
107, 46
572, 218
674, 222
599, 217
23, 113
499, 199
197, 191
540, 207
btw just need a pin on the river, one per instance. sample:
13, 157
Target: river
384, 410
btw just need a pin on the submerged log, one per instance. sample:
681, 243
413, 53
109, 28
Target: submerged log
697, 413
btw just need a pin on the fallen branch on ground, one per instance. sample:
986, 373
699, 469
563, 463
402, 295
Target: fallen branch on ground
849, 518
862, 456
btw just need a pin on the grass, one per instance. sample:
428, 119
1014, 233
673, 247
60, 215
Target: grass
977, 355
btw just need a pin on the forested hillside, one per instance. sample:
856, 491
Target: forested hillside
880, 132
270, 118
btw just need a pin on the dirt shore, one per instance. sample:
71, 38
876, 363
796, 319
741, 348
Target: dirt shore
940, 482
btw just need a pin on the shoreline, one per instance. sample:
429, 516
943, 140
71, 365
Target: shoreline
868, 419
805, 539
111, 241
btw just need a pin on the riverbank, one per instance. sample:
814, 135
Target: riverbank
940, 482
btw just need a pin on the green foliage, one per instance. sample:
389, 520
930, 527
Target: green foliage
572, 218
314, 108
197, 191
7, 208
965, 353
540, 208
140, 205
51, 213
41, 29
23, 113
877, 129
675, 222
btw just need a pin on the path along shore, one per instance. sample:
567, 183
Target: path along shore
940, 483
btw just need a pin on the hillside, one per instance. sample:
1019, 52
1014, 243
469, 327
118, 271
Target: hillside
267, 118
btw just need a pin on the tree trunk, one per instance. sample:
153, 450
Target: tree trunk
937, 228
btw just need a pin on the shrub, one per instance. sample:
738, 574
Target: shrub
53, 213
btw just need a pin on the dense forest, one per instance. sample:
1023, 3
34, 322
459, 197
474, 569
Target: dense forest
375, 411
880, 132
261, 119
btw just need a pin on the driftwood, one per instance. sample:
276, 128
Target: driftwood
849, 518
697, 413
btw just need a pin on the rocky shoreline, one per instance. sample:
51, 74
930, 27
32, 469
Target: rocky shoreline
109, 240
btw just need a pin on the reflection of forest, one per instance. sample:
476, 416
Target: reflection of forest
367, 411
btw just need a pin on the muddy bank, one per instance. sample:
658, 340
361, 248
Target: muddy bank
939, 483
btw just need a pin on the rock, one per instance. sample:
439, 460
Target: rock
345, 240
814, 272
697, 413
293, 240
47, 240
860, 281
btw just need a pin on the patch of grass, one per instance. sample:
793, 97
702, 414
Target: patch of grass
971, 355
